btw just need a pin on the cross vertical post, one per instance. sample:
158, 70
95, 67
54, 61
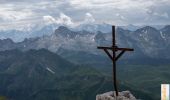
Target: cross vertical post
114, 56
113, 61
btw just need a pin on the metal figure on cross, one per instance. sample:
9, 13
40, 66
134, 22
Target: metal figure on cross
114, 56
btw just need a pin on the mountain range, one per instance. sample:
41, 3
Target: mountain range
147, 41
65, 64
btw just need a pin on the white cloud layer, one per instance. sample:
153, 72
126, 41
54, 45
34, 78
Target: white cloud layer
66, 20
62, 19
89, 18
72, 12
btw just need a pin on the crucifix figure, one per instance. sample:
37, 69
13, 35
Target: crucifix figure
114, 56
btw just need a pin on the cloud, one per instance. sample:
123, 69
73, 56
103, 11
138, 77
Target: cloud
117, 12
49, 19
130, 11
120, 16
12, 15
165, 15
62, 20
89, 18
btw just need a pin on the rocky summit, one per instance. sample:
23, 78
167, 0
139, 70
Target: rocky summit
124, 95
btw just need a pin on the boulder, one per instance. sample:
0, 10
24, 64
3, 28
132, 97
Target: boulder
124, 95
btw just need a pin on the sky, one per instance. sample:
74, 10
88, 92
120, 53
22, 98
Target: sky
19, 13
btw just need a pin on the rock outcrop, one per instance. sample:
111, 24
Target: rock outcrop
124, 95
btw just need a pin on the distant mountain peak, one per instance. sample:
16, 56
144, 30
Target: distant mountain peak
62, 28
149, 27
167, 27
7, 40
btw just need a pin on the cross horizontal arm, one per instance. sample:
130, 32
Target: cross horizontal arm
126, 49
105, 47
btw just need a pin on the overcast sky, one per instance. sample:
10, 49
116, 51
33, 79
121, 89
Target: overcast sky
71, 12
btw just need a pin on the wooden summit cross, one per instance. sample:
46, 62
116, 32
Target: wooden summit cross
114, 56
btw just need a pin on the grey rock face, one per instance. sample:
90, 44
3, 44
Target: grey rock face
124, 95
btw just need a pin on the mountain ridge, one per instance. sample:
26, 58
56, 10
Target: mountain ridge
144, 40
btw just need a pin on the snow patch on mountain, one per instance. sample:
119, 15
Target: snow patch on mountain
162, 35
48, 69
